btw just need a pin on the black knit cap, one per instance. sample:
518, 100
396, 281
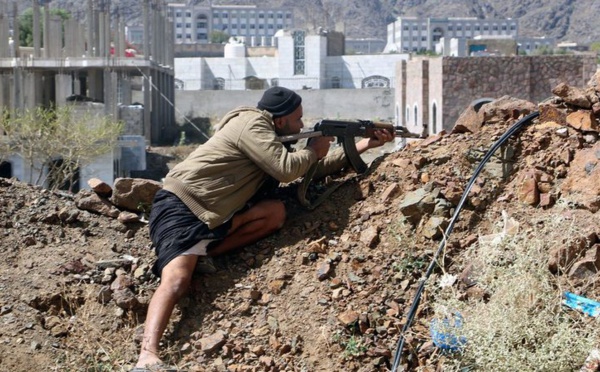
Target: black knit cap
279, 101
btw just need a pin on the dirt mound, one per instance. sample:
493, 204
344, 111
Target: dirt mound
331, 290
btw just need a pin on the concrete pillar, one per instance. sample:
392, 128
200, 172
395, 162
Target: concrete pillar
120, 39
53, 44
146, 29
46, 33
125, 88
30, 96
63, 84
155, 22
36, 29
110, 93
107, 28
156, 126
147, 107
102, 50
74, 39
76, 84
16, 34
90, 29
4, 34
5, 88
95, 84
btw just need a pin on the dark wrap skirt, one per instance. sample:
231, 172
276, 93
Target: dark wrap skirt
174, 229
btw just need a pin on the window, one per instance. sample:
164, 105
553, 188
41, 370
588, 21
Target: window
299, 62
178, 14
188, 14
375, 81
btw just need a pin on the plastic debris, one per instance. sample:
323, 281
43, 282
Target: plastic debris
447, 280
583, 304
510, 227
445, 332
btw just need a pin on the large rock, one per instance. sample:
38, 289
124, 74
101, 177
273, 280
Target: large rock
134, 194
581, 185
93, 202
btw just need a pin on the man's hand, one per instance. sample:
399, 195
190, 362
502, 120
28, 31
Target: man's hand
320, 145
381, 137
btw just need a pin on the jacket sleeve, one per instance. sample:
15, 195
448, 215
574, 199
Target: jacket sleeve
332, 163
259, 142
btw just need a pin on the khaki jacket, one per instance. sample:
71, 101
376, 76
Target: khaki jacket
221, 175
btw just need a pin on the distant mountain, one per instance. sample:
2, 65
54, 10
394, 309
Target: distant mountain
563, 19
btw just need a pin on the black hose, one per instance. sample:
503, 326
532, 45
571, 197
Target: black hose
415, 304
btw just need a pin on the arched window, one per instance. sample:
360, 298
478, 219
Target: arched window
375, 81
434, 118
6, 169
416, 116
254, 83
201, 21
335, 82
219, 84
407, 118
437, 34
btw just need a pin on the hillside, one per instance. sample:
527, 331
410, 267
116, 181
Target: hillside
331, 291
565, 20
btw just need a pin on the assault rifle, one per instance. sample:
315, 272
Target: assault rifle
346, 132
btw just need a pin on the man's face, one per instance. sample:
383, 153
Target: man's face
289, 124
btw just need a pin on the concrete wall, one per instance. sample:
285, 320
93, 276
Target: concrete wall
452, 83
530, 78
374, 104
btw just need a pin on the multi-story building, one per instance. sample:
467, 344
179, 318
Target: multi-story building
411, 34
299, 61
249, 23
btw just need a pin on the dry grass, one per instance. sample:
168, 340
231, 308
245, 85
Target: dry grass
523, 325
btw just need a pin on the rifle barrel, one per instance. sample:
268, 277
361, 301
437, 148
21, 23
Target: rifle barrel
295, 137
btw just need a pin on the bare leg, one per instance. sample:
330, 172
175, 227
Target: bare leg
261, 220
174, 283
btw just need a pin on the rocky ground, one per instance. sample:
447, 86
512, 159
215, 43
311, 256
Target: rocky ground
331, 290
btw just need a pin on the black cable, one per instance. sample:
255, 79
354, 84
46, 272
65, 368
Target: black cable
413, 309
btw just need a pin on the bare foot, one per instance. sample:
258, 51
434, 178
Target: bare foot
147, 359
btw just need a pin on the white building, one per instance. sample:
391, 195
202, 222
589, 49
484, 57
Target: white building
411, 34
257, 26
300, 62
